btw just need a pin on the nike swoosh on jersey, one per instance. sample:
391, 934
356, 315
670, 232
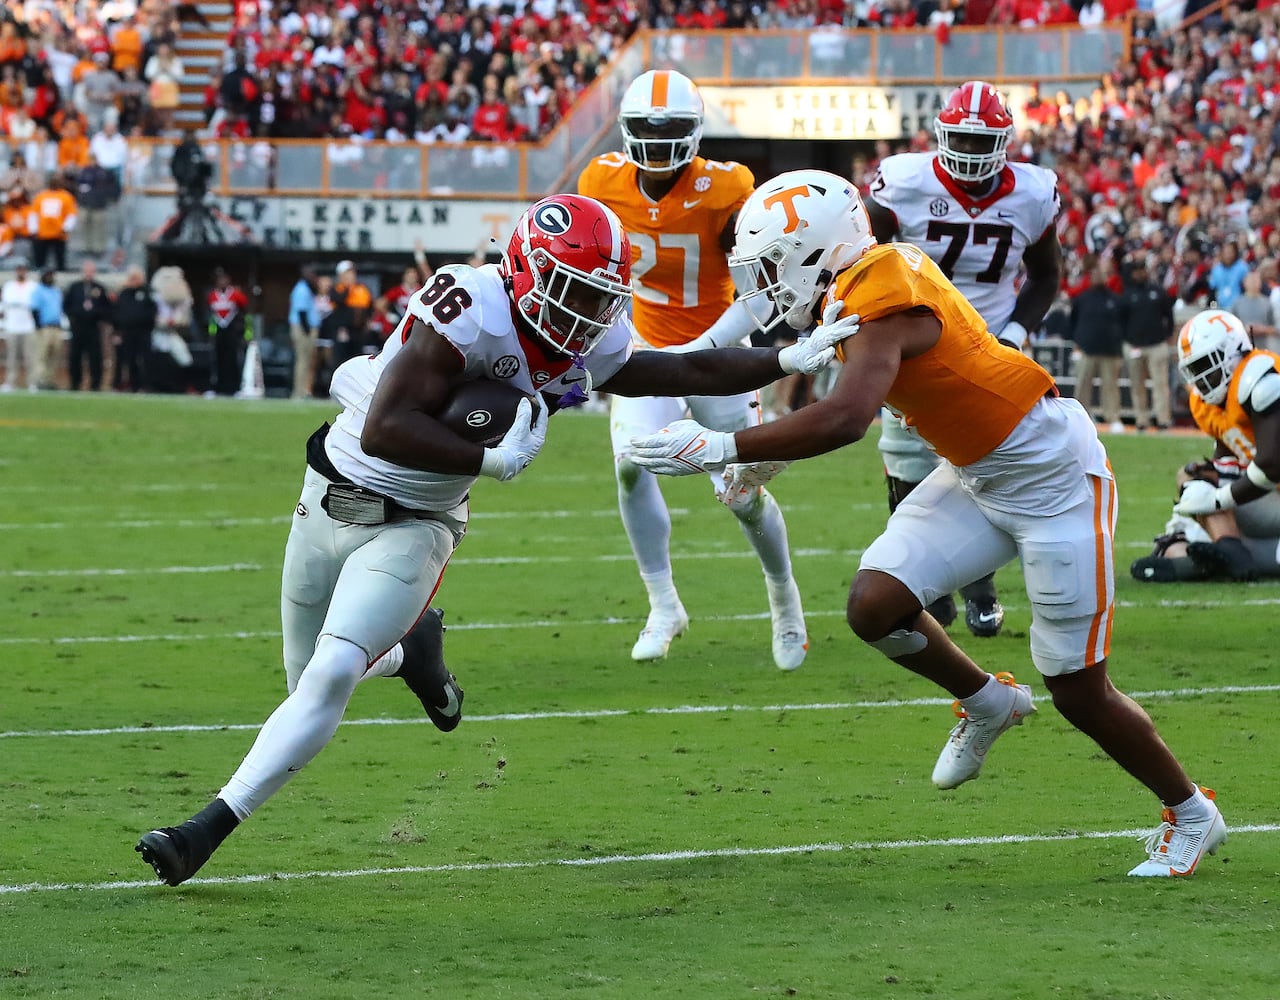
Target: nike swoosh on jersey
691, 204
573, 381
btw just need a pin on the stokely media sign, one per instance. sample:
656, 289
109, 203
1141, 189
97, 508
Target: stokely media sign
853, 112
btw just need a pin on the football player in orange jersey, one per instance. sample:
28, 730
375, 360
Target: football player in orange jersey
1025, 475
990, 226
1227, 519
679, 209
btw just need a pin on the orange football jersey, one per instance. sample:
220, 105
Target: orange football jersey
966, 393
1230, 423
679, 271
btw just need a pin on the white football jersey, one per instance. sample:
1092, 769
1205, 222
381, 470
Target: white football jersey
978, 243
471, 309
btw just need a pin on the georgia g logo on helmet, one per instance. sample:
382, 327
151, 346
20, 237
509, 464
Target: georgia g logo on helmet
553, 218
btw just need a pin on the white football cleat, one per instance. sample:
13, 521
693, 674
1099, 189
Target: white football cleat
663, 625
1176, 846
790, 636
966, 750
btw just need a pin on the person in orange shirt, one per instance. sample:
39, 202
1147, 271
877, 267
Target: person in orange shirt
17, 208
73, 148
678, 209
352, 302
1025, 475
12, 48
51, 218
126, 47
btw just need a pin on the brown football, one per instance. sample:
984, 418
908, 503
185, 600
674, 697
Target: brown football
481, 411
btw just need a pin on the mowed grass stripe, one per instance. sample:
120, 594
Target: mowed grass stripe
561, 623
1164, 694
657, 857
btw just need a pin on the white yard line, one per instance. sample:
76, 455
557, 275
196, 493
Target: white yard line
1162, 694
655, 857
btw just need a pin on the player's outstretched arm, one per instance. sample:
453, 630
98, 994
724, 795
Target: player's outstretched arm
727, 371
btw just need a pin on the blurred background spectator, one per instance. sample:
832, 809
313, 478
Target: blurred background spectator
133, 321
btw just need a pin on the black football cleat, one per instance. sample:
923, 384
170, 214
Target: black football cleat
1227, 557
424, 671
984, 617
175, 854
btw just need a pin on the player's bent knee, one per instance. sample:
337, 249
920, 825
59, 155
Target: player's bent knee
335, 668
626, 471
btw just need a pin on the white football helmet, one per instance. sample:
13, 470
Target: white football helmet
794, 234
1210, 346
661, 121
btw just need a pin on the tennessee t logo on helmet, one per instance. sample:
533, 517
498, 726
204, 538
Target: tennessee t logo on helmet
787, 199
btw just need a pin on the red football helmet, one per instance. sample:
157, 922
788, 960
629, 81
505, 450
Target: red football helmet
568, 268
973, 131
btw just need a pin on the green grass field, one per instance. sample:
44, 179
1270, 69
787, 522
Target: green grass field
703, 827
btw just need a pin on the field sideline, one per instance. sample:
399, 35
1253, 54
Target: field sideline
702, 827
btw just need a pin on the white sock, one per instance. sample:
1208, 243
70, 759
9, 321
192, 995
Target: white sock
299, 728
763, 525
662, 590
784, 595
1199, 806
990, 699
387, 664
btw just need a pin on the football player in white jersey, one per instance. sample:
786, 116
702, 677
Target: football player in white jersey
679, 209
385, 498
990, 226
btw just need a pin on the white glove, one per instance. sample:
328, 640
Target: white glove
743, 480
519, 446
1199, 498
682, 448
814, 352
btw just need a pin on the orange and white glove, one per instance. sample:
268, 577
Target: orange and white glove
684, 447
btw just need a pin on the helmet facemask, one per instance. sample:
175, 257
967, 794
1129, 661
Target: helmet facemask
571, 309
661, 143
971, 152
794, 290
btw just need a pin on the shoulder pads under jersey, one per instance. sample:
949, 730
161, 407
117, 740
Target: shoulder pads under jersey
1259, 384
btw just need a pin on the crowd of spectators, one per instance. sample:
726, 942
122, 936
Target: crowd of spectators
1169, 171
1170, 180
504, 70
76, 78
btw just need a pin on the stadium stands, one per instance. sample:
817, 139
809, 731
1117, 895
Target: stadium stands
1170, 160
